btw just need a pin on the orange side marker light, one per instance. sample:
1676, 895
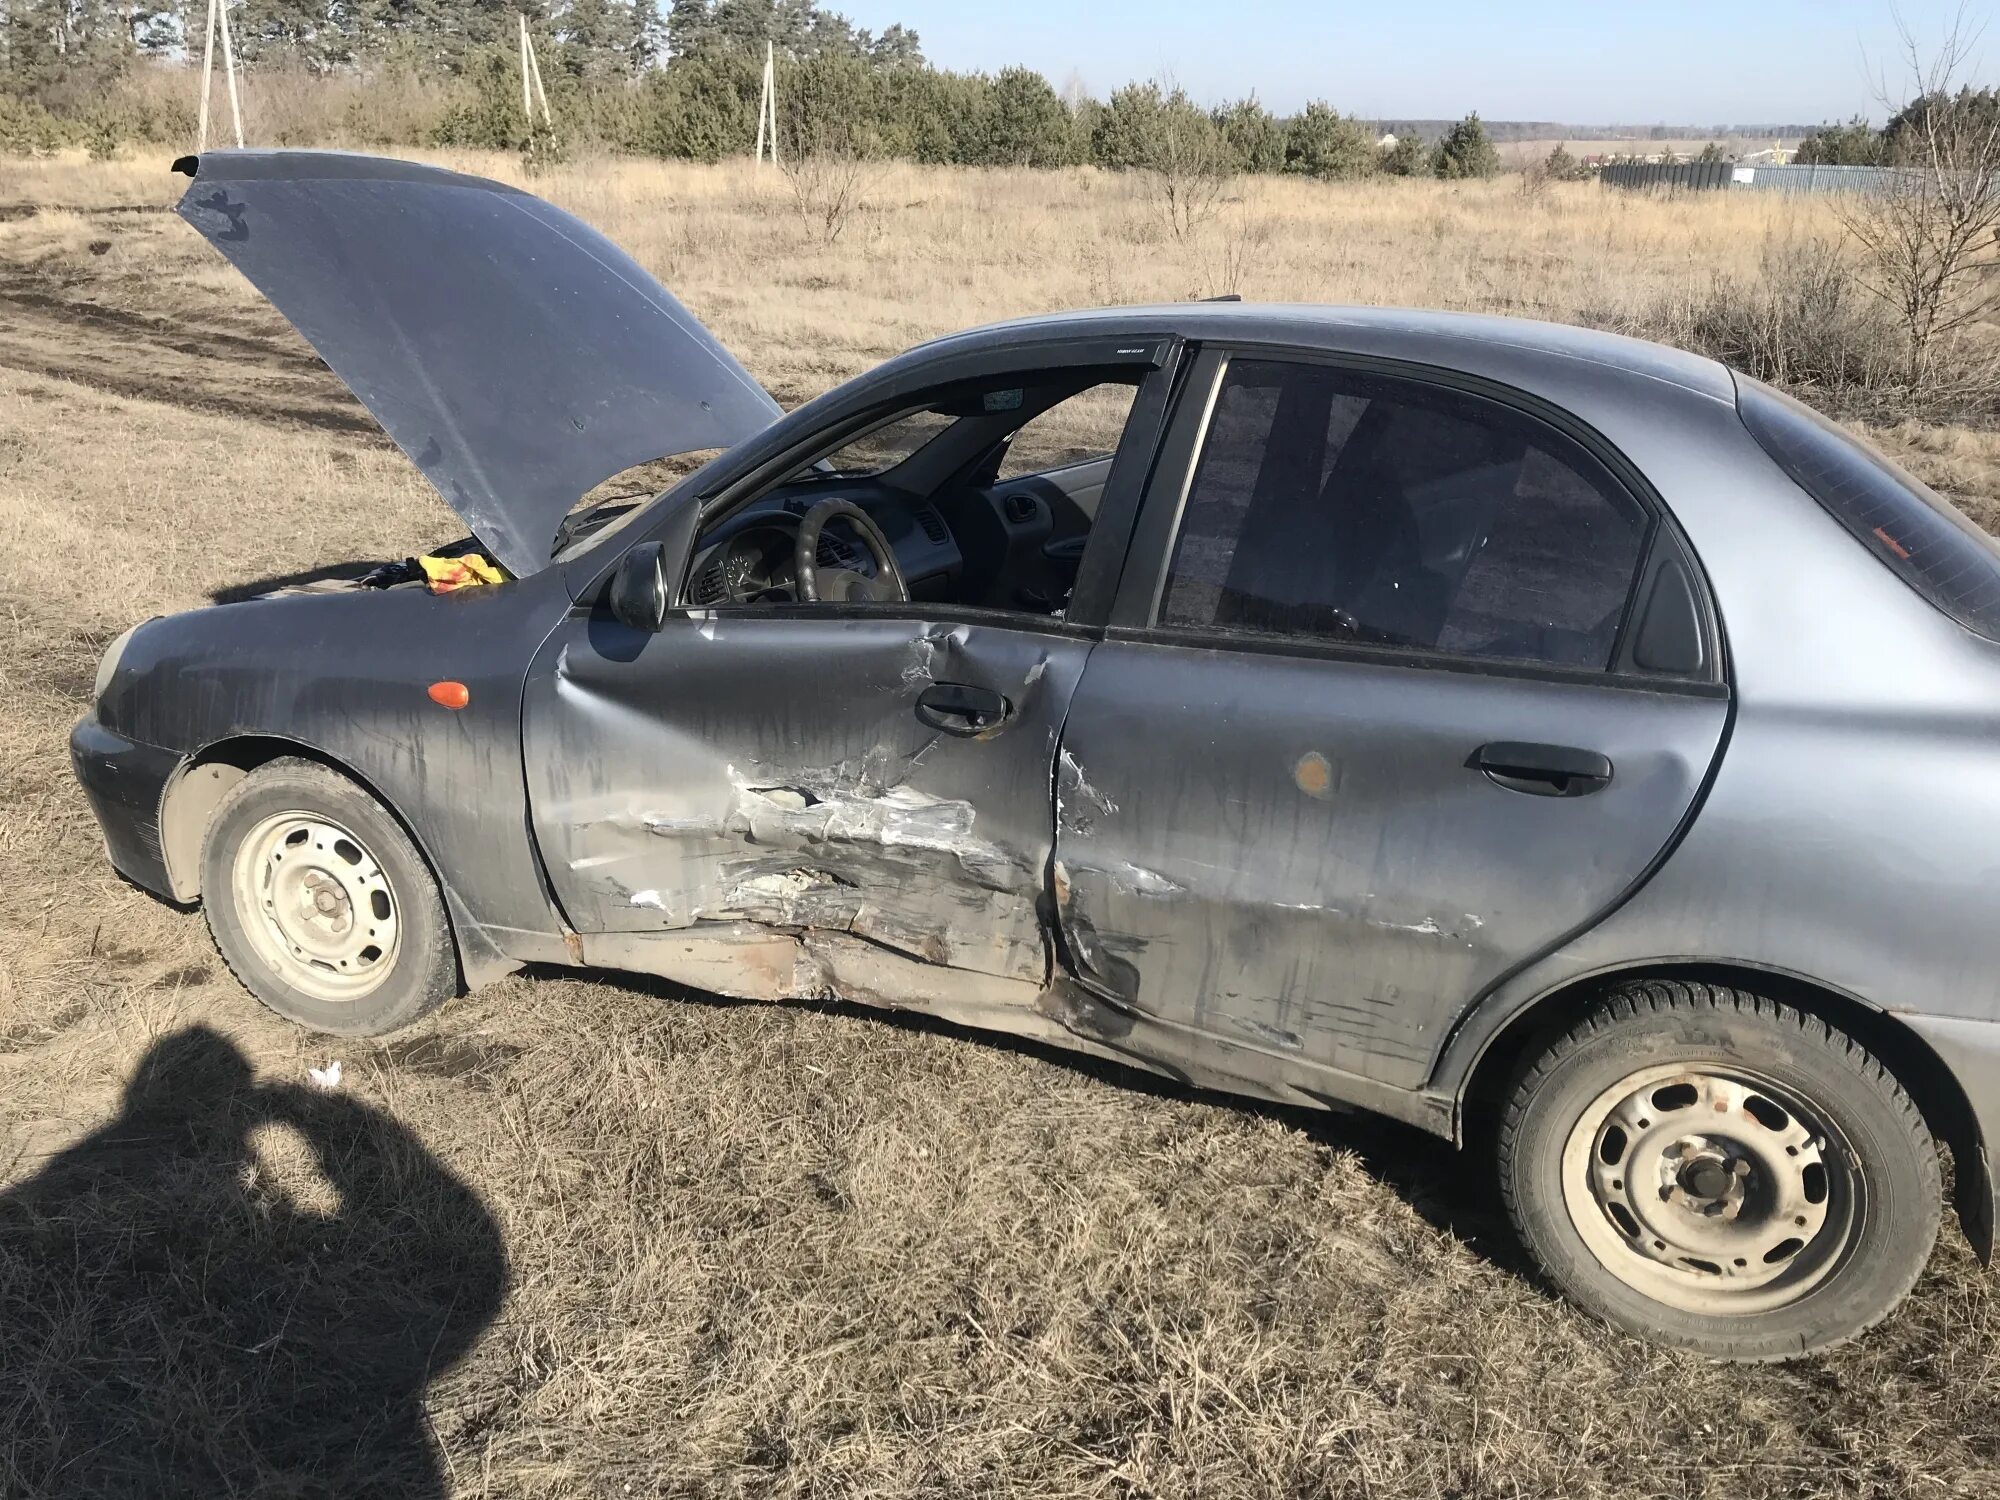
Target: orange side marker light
450, 694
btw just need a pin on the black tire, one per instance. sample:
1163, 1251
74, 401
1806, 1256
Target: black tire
422, 971
1877, 1164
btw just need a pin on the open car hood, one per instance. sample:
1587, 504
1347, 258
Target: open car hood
516, 354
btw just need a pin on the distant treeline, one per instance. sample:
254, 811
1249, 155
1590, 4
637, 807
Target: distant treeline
623, 75
447, 73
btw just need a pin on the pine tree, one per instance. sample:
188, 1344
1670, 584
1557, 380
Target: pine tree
897, 47
1465, 151
1255, 139
1408, 157
1322, 142
1027, 124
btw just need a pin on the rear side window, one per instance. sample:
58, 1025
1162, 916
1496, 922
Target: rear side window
1916, 532
1335, 504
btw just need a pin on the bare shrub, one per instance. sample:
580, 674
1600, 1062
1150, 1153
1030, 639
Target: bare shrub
1534, 182
829, 177
1189, 165
1930, 236
1798, 322
1227, 252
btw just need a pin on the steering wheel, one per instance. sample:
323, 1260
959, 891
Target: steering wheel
844, 585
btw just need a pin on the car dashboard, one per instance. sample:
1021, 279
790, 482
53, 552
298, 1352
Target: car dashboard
748, 559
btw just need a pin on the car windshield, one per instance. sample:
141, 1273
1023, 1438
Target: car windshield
610, 506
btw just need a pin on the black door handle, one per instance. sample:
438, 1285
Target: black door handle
1542, 770
959, 708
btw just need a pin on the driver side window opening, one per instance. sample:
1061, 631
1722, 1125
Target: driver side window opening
1339, 505
985, 494
1082, 429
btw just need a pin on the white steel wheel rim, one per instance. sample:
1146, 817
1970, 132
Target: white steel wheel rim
316, 906
1712, 1189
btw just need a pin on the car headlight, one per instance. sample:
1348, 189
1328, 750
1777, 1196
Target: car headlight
109, 664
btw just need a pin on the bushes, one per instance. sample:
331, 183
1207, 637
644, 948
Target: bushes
1407, 158
1465, 151
1322, 142
26, 129
1853, 144
702, 106
1026, 124
1253, 136
1801, 322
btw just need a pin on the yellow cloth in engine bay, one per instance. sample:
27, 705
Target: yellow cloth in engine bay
443, 575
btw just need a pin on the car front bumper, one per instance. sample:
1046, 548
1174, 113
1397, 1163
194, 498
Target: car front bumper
123, 779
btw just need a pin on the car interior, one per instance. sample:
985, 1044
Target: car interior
981, 497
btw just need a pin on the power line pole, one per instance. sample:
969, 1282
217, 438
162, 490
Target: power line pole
767, 107
218, 15
229, 67
531, 80
527, 88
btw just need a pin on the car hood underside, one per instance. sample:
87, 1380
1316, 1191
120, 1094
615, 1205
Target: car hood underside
513, 352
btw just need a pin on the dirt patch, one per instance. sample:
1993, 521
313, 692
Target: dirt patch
133, 355
465, 1058
15, 212
184, 977
27, 1037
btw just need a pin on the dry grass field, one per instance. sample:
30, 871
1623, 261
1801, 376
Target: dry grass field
756, 1250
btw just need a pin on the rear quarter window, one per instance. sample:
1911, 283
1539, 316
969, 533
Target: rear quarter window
1916, 533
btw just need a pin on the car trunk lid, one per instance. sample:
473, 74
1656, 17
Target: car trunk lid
514, 353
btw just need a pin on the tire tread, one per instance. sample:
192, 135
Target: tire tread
439, 983
1668, 998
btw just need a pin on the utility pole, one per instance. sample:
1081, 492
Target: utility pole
531, 80
767, 107
218, 14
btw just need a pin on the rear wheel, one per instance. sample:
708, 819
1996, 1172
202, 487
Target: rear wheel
1718, 1171
321, 905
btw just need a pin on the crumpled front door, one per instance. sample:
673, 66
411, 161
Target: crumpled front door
805, 773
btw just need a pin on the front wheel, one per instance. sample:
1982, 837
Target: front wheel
1715, 1170
321, 905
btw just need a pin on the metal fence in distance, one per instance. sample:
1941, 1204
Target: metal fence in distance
1703, 176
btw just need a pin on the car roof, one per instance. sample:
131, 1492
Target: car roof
1426, 336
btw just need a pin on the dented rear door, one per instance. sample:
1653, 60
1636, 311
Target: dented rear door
1287, 823
768, 770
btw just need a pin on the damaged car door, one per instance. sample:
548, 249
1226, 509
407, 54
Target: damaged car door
799, 798
1391, 702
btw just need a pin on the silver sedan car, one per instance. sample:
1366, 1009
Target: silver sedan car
1552, 740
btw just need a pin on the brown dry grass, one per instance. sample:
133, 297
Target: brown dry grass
760, 1250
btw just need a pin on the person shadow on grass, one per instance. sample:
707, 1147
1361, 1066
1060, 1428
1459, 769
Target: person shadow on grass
173, 1322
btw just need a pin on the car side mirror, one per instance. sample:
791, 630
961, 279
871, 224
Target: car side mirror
639, 589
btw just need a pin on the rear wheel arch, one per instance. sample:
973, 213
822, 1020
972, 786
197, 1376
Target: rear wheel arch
1909, 1057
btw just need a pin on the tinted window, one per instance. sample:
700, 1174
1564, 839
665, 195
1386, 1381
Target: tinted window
1913, 530
1342, 506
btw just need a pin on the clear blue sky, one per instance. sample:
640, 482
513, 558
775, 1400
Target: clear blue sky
1684, 61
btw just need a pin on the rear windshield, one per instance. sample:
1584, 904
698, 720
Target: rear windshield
1917, 533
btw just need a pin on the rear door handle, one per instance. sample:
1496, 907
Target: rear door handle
1542, 770
962, 709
